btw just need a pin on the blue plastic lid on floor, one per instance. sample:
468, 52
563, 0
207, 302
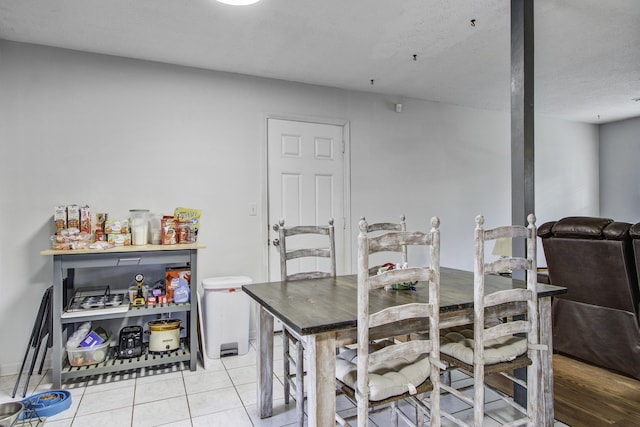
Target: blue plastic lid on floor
45, 404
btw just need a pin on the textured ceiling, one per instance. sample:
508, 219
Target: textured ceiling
587, 56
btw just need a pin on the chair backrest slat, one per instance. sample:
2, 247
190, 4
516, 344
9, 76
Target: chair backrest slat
505, 329
307, 252
305, 229
506, 231
400, 276
505, 296
392, 315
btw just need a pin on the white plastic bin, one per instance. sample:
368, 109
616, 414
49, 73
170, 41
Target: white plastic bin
226, 311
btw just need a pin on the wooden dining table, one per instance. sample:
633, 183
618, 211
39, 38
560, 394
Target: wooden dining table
324, 312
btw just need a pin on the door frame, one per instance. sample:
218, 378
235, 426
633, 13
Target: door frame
264, 184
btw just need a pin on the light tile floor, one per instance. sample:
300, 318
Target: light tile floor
223, 394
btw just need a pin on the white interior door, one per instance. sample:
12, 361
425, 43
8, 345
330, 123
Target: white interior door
306, 183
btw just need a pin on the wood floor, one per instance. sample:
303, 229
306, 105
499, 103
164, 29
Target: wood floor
588, 396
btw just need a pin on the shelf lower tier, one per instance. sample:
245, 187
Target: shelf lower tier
95, 315
114, 364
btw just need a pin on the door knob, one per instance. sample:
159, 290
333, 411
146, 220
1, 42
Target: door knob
276, 242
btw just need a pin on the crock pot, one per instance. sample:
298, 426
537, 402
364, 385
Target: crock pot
164, 334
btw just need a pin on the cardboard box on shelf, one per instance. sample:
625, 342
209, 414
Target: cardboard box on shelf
173, 275
121, 226
60, 218
119, 239
188, 218
73, 216
92, 339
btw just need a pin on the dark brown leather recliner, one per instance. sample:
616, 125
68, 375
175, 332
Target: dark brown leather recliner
597, 320
634, 232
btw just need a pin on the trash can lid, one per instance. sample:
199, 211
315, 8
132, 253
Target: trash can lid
225, 282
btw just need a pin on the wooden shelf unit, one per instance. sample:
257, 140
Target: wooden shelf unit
64, 265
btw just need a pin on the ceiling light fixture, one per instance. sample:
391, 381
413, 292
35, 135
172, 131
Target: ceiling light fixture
238, 2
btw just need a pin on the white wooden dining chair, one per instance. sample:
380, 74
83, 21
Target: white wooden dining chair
322, 263
386, 372
510, 343
378, 228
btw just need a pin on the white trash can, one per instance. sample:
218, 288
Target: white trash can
226, 311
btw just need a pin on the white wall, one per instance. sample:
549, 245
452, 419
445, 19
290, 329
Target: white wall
444, 157
118, 134
620, 175
567, 172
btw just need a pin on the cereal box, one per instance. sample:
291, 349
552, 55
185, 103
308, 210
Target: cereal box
73, 216
191, 218
60, 218
116, 226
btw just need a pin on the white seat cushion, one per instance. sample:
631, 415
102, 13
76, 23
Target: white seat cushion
503, 349
391, 378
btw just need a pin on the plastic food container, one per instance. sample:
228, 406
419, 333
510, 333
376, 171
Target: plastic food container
83, 356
